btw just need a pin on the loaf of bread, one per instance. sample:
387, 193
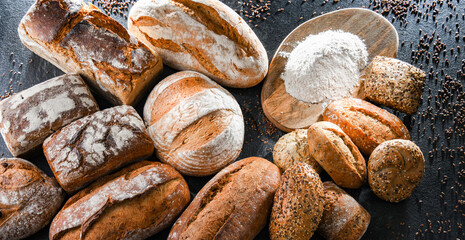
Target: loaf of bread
298, 204
28, 199
394, 83
96, 145
337, 154
196, 125
343, 217
202, 35
395, 169
133, 203
366, 124
234, 204
77, 37
292, 148
30, 116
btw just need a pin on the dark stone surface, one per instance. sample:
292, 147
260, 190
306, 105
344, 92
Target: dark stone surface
434, 211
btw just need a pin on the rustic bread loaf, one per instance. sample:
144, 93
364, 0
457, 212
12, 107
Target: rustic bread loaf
337, 154
395, 168
343, 217
196, 125
96, 145
202, 35
234, 204
394, 83
28, 199
30, 116
366, 124
77, 37
134, 203
298, 204
292, 148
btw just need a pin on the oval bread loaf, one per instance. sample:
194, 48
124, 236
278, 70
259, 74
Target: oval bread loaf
234, 204
134, 203
196, 125
337, 154
28, 198
366, 124
201, 35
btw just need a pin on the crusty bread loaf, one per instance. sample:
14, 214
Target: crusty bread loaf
196, 125
30, 116
395, 169
292, 148
96, 145
77, 37
298, 204
201, 35
28, 198
366, 124
393, 83
343, 217
234, 204
133, 203
337, 154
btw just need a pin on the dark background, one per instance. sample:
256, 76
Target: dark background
430, 38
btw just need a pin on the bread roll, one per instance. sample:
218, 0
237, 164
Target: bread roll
28, 199
337, 154
366, 124
343, 217
292, 148
96, 145
394, 83
78, 38
234, 204
298, 204
196, 125
134, 203
395, 168
202, 35
30, 116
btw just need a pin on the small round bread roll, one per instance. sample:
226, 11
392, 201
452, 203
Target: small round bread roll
395, 168
293, 148
343, 217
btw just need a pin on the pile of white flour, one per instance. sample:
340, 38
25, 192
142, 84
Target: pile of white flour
325, 67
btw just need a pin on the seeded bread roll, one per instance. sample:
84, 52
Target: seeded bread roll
337, 154
293, 148
394, 83
30, 116
28, 199
343, 217
298, 204
395, 168
78, 38
201, 35
366, 124
196, 125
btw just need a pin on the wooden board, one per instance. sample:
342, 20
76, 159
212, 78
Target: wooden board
288, 113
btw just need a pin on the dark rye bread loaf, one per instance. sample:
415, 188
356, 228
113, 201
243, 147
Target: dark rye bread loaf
77, 37
30, 116
234, 204
134, 203
96, 145
28, 198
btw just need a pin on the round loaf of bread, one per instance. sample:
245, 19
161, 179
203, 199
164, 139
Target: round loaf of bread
395, 168
196, 125
292, 148
28, 198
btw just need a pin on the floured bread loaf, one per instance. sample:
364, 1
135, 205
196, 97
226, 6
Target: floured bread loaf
196, 125
30, 116
201, 35
77, 37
